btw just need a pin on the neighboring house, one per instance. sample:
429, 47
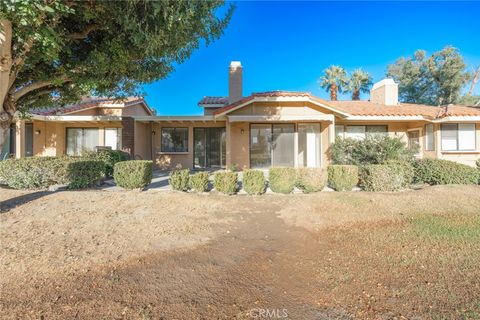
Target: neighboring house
276, 128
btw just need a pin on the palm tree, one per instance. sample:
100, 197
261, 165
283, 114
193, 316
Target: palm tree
360, 81
333, 80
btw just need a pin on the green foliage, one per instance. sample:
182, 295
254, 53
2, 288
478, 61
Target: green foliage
437, 171
360, 81
436, 80
133, 174
254, 182
374, 149
109, 157
226, 182
383, 177
199, 181
311, 179
334, 80
469, 100
342, 177
406, 169
110, 48
282, 180
42, 172
478, 164
179, 179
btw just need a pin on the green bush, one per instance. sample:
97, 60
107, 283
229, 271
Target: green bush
133, 174
437, 171
407, 170
199, 181
478, 164
109, 157
282, 180
342, 177
374, 149
179, 179
254, 182
42, 172
311, 179
383, 177
226, 182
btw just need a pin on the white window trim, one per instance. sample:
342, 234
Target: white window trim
457, 140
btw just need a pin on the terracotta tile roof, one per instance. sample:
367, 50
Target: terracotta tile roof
367, 108
86, 103
214, 100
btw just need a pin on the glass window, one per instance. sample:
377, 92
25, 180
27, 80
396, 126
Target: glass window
113, 138
309, 146
80, 139
360, 132
458, 136
339, 131
429, 138
174, 140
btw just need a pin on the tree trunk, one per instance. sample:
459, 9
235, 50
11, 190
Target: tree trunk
356, 95
333, 92
7, 106
475, 79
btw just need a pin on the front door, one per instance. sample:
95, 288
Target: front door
414, 139
209, 148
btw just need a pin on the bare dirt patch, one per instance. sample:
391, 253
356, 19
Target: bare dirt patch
132, 255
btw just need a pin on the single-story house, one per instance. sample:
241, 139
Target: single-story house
275, 128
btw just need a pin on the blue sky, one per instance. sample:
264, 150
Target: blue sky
287, 45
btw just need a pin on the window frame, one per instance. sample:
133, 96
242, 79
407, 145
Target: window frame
433, 137
344, 130
174, 129
119, 137
83, 137
458, 137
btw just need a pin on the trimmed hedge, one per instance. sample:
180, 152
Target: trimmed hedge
179, 179
226, 182
383, 177
311, 179
199, 181
406, 169
133, 174
282, 180
42, 172
254, 182
109, 157
437, 171
342, 177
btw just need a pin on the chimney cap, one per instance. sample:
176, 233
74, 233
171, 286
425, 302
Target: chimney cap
235, 64
384, 82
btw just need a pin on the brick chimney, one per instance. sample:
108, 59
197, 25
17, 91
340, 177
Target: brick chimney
235, 81
385, 92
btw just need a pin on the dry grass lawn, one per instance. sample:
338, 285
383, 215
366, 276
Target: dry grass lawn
165, 255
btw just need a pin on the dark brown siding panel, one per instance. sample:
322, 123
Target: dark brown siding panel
128, 135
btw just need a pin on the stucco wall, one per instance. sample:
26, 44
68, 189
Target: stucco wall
49, 137
143, 140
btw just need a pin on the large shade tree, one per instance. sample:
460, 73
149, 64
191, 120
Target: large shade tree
359, 81
435, 80
52, 52
334, 80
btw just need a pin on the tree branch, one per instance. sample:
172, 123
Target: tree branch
475, 79
35, 86
19, 61
82, 35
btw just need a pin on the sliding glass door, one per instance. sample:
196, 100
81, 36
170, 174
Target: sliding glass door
272, 145
309, 154
209, 148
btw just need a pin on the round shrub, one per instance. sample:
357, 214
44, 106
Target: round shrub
382, 177
407, 170
311, 179
199, 181
342, 177
437, 171
133, 174
179, 179
281, 180
226, 182
254, 182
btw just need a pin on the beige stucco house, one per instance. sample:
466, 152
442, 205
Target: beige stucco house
277, 128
